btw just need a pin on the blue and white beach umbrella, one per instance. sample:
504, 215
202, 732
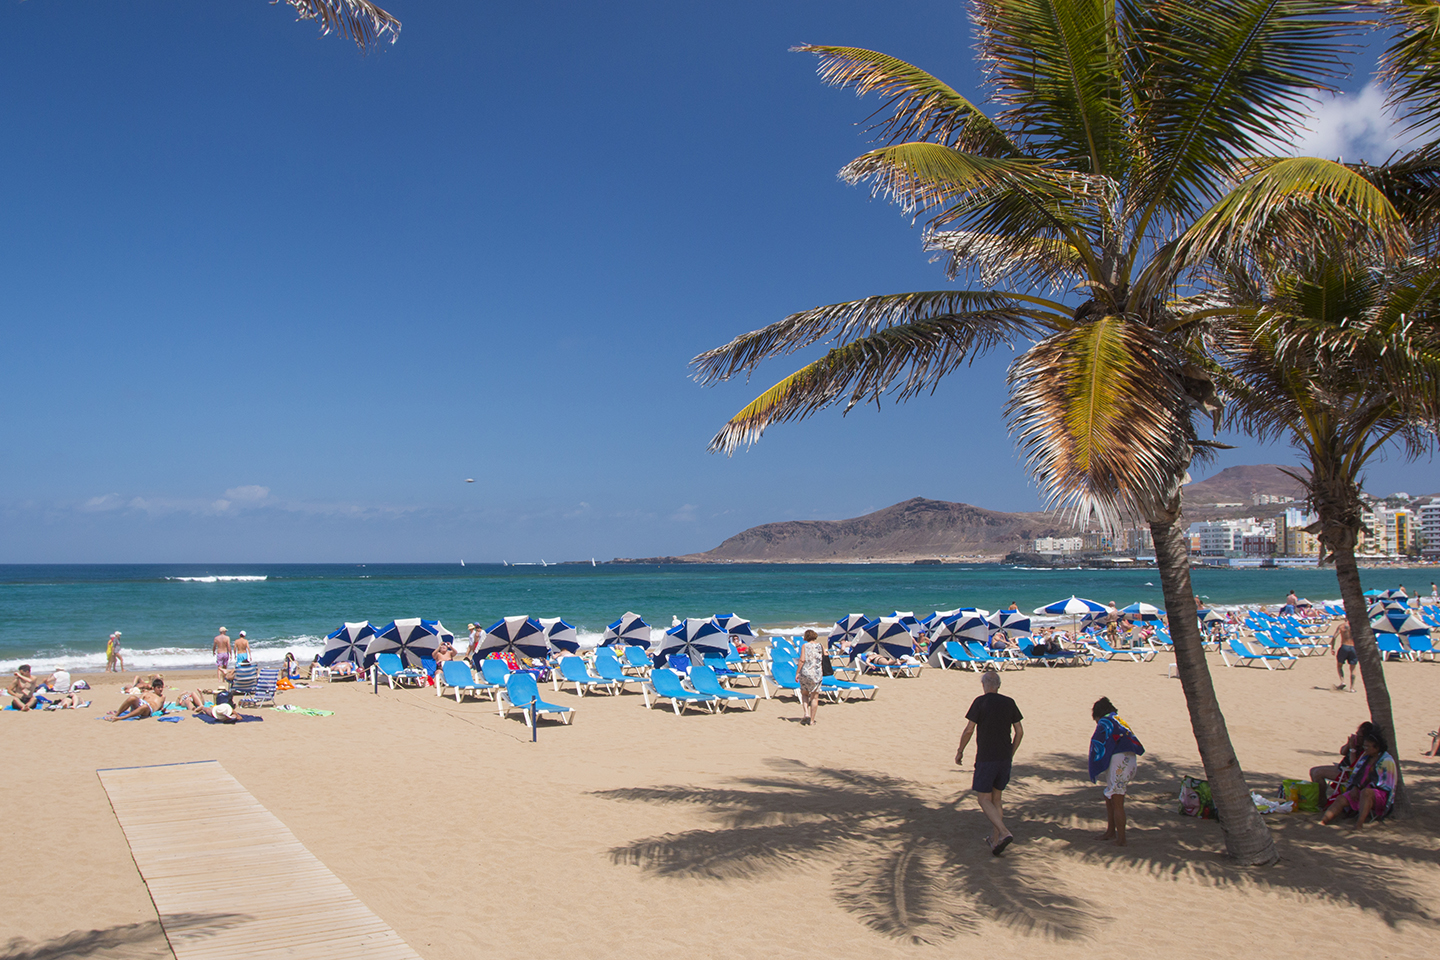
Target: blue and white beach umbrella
518, 636
1399, 622
907, 617
347, 643
1143, 611
629, 630
733, 624
932, 621
413, 639
1074, 607
696, 639
888, 635
560, 635
964, 625
1011, 621
847, 628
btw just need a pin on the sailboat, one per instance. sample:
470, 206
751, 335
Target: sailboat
462, 562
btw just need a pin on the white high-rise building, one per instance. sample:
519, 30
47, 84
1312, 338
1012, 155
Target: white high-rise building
1429, 529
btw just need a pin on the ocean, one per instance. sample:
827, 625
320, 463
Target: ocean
61, 615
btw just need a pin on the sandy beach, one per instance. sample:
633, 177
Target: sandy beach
748, 833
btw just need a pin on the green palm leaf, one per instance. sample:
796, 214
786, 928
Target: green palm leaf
919, 354
843, 322
917, 106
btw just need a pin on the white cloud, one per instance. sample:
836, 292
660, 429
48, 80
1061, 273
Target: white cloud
686, 514
1351, 126
238, 500
250, 494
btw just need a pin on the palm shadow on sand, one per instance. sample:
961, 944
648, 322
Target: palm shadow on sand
909, 860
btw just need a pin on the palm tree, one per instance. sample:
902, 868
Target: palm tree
359, 20
1343, 360
1099, 173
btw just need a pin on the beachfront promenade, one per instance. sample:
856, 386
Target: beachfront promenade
636, 829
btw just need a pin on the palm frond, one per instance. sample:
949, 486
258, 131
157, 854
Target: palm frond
919, 354
917, 106
1022, 259
922, 176
1214, 80
841, 323
1054, 66
1103, 418
359, 20
1292, 208
1410, 66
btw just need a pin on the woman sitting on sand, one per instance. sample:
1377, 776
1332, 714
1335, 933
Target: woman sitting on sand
1371, 790
149, 702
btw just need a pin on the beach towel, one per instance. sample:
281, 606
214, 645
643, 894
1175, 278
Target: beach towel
1112, 735
1195, 799
304, 711
240, 718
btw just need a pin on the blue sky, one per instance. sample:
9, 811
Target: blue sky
266, 299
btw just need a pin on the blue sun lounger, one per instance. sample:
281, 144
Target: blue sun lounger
456, 675
1245, 657
497, 673
524, 696
637, 659
1137, 654
573, 670
954, 652
704, 680
389, 666
610, 668
784, 678
979, 655
666, 685
264, 692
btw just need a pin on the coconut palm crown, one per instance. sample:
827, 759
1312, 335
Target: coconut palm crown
1099, 175
1341, 358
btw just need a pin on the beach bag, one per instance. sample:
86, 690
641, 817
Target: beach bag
1302, 793
827, 669
1195, 800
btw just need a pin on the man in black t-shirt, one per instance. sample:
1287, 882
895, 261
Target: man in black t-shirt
993, 716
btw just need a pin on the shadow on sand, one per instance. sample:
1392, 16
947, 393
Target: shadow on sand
910, 861
131, 940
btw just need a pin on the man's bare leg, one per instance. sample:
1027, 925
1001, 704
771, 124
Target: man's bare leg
1109, 833
1117, 818
993, 805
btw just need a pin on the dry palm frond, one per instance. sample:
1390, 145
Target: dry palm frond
1103, 418
917, 106
1027, 260
360, 20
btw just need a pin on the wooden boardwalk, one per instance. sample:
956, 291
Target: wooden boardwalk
229, 880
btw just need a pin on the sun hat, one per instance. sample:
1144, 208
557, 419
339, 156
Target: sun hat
223, 710
242, 633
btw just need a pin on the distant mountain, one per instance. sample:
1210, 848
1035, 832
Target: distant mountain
913, 530
1240, 485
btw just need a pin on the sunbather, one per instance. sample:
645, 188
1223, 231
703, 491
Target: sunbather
220, 710
149, 703
62, 692
22, 689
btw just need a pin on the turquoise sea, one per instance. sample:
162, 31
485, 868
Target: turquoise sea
54, 615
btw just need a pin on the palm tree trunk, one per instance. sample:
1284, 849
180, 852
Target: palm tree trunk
1372, 664
1247, 838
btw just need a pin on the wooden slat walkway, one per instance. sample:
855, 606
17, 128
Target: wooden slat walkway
230, 880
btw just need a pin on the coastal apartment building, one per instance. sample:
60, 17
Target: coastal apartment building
1234, 538
1390, 531
1428, 528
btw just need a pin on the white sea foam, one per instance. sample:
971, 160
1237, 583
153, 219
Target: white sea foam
217, 579
139, 660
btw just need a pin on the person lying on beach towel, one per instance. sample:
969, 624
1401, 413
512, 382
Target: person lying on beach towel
222, 710
150, 702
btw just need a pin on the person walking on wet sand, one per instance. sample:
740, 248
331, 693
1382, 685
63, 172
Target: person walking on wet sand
1344, 653
992, 717
221, 648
